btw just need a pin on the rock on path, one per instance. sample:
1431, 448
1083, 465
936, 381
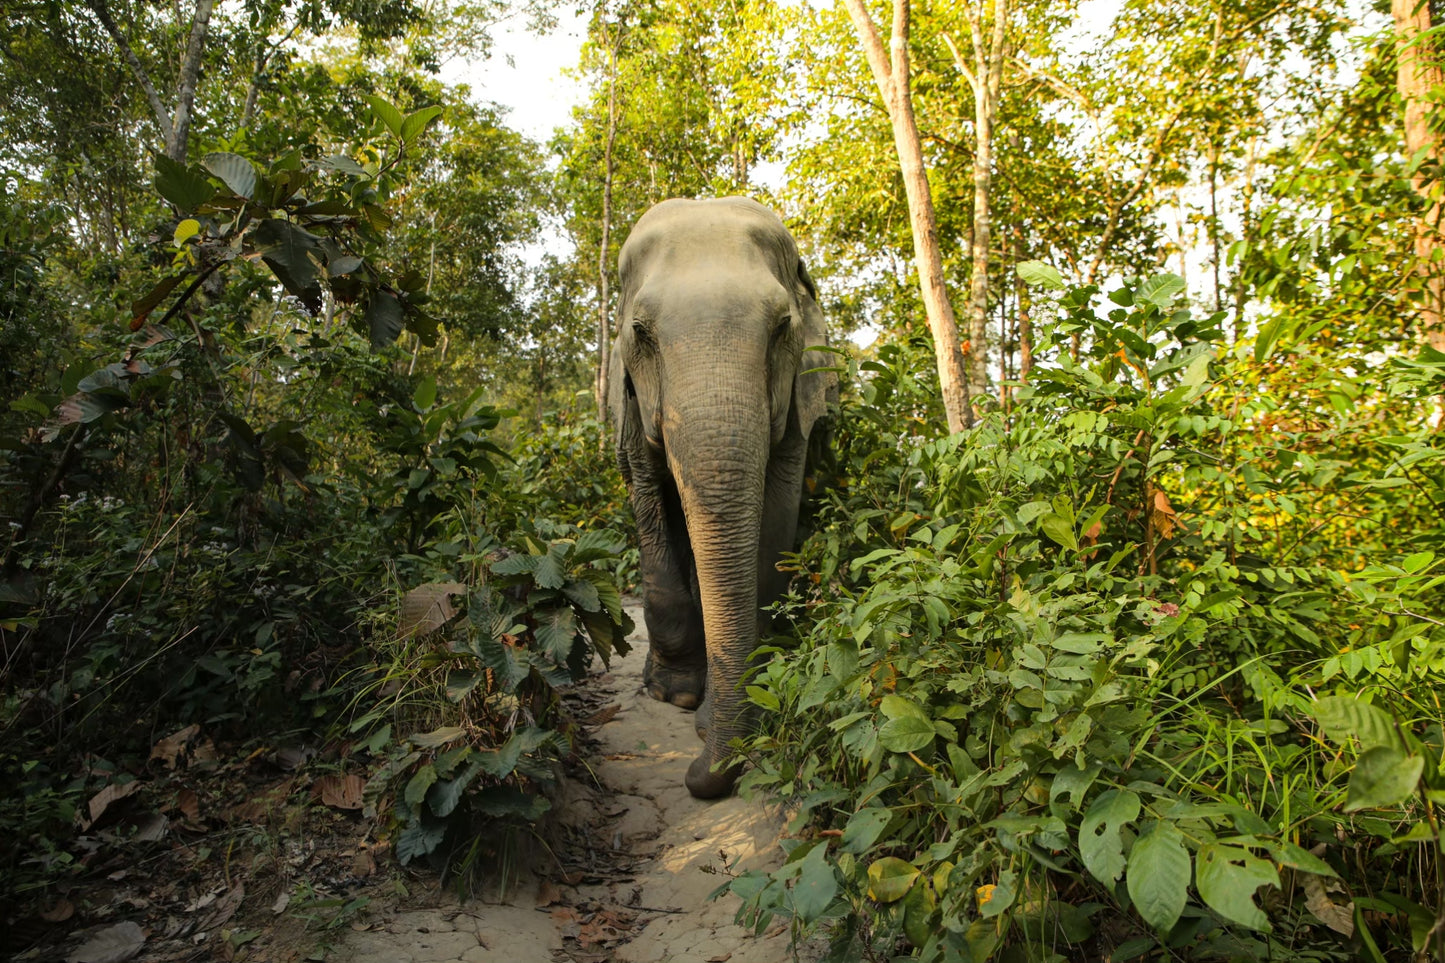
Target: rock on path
653, 910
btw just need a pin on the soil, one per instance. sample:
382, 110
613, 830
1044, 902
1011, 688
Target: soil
224, 854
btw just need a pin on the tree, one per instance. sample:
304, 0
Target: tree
1420, 79
891, 74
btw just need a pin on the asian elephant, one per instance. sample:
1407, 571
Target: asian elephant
714, 399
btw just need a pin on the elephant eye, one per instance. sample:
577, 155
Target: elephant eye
642, 334
781, 327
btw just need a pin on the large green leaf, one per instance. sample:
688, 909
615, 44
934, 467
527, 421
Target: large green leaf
418, 121
419, 838
906, 734
234, 171
1383, 776
1040, 274
185, 187
890, 878
417, 786
1227, 876
1344, 716
551, 571
556, 628
387, 113
1100, 844
816, 885
1160, 290
293, 255
1158, 876
597, 544
385, 319
863, 829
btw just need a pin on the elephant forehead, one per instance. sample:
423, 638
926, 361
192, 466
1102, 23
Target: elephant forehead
701, 293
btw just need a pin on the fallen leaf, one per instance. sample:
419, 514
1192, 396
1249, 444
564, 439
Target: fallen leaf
62, 910
604, 715
224, 908
1338, 917
363, 864
149, 827
339, 792
292, 758
170, 749
282, 901
427, 608
188, 804
547, 894
102, 800
114, 944
720, 958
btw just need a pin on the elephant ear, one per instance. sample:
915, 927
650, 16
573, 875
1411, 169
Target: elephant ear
812, 389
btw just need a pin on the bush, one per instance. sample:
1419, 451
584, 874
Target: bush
1058, 693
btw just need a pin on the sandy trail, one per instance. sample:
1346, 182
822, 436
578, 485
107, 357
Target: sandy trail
648, 845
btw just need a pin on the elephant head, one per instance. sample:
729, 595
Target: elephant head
714, 401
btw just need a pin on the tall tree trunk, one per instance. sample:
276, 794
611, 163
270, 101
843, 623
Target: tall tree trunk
985, 76
186, 86
891, 75
1418, 76
604, 339
1025, 324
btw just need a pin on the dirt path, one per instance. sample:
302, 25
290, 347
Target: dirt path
632, 884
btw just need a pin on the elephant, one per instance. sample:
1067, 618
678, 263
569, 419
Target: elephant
714, 395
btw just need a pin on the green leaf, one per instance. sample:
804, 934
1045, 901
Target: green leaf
583, 594
890, 878
1383, 776
293, 255
1161, 289
1158, 876
185, 187
597, 544
141, 308
897, 707
1040, 275
384, 321
556, 630
1060, 529
444, 797
234, 171
863, 829
1100, 844
419, 839
551, 568
418, 121
425, 395
417, 786
1269, 334
1227, 876
816, 885
906, 734
1344, 716
385, 112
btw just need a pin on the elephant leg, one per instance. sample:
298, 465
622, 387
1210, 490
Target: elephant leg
676, 667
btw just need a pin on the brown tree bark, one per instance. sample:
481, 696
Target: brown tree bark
891, 73
1418, 74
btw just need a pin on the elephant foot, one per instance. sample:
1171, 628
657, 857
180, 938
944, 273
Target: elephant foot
703, 783
682, 685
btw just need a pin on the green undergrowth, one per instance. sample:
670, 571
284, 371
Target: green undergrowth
1125, 671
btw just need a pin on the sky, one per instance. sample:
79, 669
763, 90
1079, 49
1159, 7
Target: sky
526, 74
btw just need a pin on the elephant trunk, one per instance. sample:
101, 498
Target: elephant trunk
717, 448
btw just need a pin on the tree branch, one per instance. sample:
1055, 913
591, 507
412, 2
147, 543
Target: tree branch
163, 120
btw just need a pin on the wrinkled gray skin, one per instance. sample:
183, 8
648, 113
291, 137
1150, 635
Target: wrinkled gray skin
713, 416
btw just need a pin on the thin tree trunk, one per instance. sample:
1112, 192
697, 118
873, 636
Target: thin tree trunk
1418, 76
891, 76
1247, 234
186, 88
1025, 324
604, 340
1214, 253
985, 77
